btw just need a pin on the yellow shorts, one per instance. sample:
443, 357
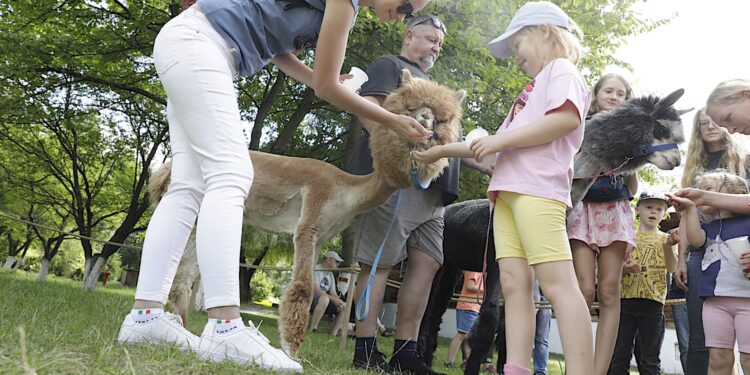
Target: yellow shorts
530, 227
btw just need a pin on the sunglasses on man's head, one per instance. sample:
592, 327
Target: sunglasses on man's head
423, 18
406, 9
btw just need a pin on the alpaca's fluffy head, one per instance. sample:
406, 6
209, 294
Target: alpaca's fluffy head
663, 126
437, 108
616, 135
614, 139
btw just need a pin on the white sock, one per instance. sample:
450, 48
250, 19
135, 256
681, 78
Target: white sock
227, 326
141, 316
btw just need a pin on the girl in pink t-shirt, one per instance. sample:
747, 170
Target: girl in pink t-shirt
601, 228
531, 182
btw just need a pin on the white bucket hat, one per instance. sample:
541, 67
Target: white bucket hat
530, 14
334, 255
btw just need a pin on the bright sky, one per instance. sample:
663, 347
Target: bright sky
704, 44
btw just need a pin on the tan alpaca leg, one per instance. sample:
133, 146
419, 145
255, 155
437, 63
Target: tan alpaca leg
294, 313
187, 273
295, 306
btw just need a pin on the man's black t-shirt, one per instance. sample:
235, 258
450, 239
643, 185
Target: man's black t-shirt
384, 78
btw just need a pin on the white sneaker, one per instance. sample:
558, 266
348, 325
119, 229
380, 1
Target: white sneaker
247, 345
165, 329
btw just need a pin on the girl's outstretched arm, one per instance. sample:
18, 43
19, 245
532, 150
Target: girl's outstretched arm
695, 234
553, 125
432, 154
324, 79
290, 64
736, 203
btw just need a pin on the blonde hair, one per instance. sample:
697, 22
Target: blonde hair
723, 182
598, 86
565, 42
734, 159
727, 92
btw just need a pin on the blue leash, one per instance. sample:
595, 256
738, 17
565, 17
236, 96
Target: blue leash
365, 299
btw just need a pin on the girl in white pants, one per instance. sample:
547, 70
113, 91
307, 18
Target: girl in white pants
197, 55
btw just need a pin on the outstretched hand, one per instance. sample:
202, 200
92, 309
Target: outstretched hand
682, 202
484, 146
409, 128
696, 196
427, 156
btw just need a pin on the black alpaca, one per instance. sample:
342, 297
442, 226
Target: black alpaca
463, 249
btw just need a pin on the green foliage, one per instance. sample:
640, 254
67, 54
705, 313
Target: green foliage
114, 264
653, 177
280, 280
31, 261
67, 262
280, 246
82, 338
3, 249
261, 287
82, 113
131, 258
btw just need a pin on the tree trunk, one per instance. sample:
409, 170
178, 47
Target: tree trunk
19, 263
264, 108
87, 263
251, 271
9, 262
22, 257
89, 282
13, 246
304, 107
352, 140
44, 269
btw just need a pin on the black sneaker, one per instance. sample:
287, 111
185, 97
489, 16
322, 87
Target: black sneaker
375, 363
411, 365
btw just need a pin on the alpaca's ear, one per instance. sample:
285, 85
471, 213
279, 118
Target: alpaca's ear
681, 112
668, 101
461, 95
405, 76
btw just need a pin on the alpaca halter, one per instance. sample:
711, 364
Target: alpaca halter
650, 149
638, 151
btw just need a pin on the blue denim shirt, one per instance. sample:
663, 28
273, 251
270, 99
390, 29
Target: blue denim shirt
258, 30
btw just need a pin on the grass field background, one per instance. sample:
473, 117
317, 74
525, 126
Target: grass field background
56, 328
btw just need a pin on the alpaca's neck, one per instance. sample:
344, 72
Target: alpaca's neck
369, 192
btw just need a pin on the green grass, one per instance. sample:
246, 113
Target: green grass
69, 331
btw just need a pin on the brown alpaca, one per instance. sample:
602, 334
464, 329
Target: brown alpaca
315, 201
